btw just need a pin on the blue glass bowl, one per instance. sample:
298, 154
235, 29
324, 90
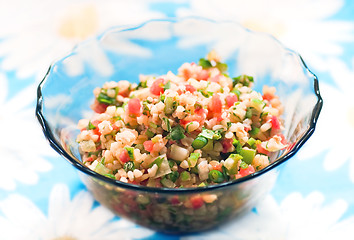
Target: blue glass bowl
155, 47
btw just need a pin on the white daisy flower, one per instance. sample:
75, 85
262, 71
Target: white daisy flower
67, 219
335, 127
294, 23
296, 217
38, 32
22, 142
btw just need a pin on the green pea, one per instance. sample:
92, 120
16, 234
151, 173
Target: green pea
216, 176
199, 142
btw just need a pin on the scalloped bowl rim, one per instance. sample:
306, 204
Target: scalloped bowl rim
57, 147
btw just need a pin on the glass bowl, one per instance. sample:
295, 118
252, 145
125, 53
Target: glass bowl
155, 47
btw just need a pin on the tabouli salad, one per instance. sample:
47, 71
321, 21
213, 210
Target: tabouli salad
194, 128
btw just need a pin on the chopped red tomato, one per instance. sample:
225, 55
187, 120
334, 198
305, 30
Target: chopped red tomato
195, 117
124, 156
148, 145
115, 127
179, 91
216, 166
190, 88
203, 75
247, 171
99, 107
226, 145
215, 79
283, 140
124, 93
157, 86
268, 96
96, 131
134, 107
196, 201
260, 149
231, 99
275, 123
247, 129
89, 159
215, 105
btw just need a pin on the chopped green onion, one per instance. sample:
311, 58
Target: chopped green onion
248, 113
209, 134
117, 118
204, 63
185, 176
221, 66
216, 176
102, 169
162, 98
171, 163
167, 122
146, 110
129, 166
153, 125
149, 133
188, 126
90, 126
198, 106
217, 134
264, 114
257, 104
167, 85
193, 159
130, 151
103, 98
243, 165
251, 142
254, 131
199, 142
243, 79
124, 104
237, 92
194, 156
157, 161
224, 172
248, 155
237, 145
231, 163
170, 105
173, 176
109, 175
177, 133
207, 95
257, 101
142, 84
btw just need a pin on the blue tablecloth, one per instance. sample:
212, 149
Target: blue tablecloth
41, 195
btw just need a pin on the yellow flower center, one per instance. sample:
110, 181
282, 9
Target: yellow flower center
276, 28
79, 23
